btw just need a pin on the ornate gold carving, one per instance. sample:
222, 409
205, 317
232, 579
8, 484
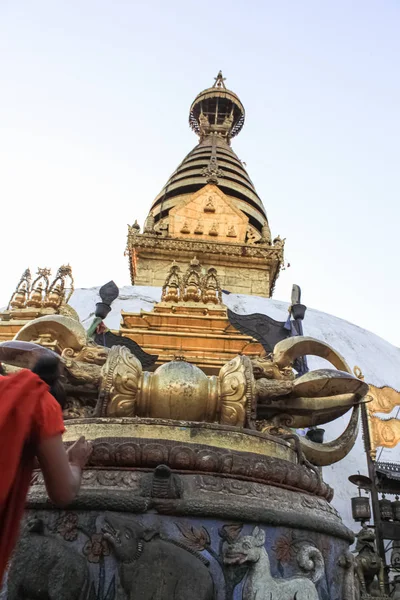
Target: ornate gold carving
264, 366
171, 288
197, 213
212, 172
121, 380
199, 246
211, 289
145, 251
56, 295
177, 390
237, 391
20, 296
270, 388
39, 288
231, 232
91, 354
251, 235
185, 228
214, 230
204, 125
191, 285
209, 205
199, 228
41, 297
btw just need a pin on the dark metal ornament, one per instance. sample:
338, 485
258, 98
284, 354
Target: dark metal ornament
360, 508
396, 509
386, 510
108, 293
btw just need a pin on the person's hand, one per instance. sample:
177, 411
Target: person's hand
79, 453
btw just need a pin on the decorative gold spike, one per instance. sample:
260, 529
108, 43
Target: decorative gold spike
20, 296
211, 289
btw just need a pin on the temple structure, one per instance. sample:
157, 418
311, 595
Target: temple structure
195, 387
210, 209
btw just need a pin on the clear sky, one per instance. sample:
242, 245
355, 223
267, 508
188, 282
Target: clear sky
94, 100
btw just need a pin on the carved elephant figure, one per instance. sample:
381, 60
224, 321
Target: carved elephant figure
45, 568
155, 569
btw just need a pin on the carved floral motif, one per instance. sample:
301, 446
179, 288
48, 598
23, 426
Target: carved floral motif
96, 548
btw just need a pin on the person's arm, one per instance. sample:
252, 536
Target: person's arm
62, 471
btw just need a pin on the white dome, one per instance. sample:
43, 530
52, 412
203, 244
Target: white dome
379, 361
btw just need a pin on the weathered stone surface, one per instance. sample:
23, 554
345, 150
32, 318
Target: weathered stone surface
110, 556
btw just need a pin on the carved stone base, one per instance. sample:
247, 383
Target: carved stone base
114, 555
174, 534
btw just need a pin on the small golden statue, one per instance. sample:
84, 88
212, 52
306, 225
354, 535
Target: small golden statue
199, 228
185, 228
209, 206
214, 230
211, 288
172, 285
191, 288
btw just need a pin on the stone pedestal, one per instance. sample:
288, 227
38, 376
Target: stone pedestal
169, 519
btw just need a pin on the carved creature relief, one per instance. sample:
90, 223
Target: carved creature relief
250, 550
110, 556
151, 567
45, 568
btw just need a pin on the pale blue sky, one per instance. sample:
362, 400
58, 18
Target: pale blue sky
94, 100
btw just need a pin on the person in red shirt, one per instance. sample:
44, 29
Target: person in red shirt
31, 426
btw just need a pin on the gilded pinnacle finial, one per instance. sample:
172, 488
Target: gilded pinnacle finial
217, 111
219, 80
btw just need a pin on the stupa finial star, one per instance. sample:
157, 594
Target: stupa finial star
219, 80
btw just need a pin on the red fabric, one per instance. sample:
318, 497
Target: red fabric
28, 415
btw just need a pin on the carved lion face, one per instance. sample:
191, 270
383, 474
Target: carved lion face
246, 549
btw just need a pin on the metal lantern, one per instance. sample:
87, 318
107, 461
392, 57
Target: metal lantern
360, 508
396, 509
386, 510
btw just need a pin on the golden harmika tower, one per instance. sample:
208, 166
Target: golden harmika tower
209, 209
